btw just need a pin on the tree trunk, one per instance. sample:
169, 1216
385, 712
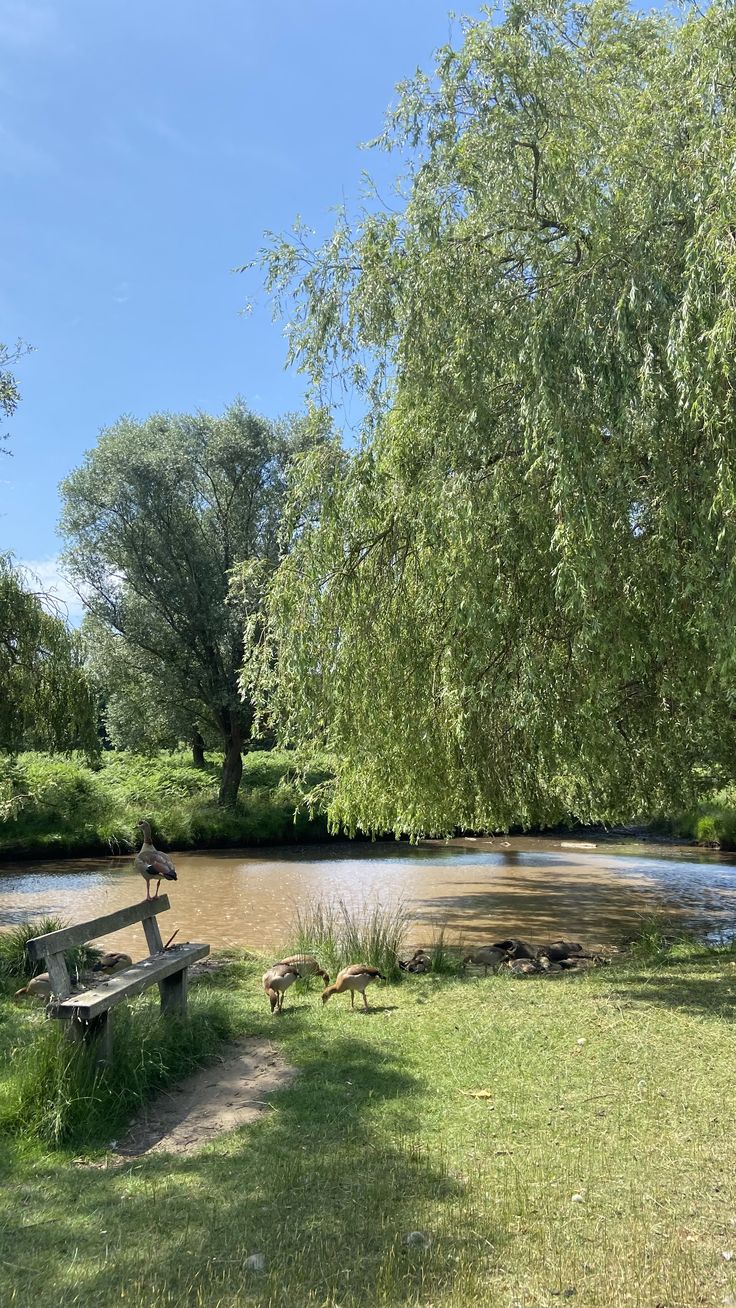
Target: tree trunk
197, 749
232, 766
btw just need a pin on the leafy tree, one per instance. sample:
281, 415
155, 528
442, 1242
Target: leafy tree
517, 599
9, 393
156, 519
143, 707
46, 701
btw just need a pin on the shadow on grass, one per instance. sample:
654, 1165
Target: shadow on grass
712, 996
326, 1188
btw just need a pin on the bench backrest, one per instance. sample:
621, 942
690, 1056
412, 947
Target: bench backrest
54, 944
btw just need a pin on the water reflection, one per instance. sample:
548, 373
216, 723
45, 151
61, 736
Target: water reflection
480, 889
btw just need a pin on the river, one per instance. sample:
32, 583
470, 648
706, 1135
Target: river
480, 890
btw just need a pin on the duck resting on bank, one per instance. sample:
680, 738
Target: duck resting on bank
355, 977
110, 963
152, 864
276, 982
418, 963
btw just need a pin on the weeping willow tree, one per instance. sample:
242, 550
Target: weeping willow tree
516, 600
45, 701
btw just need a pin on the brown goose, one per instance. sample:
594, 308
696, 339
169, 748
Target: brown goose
355, 977
276, 982
305, 966
39, 987
515, 948
111, 963
151, 863
419, 962
486, 956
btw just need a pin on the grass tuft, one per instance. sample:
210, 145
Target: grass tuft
446, 960
339, 933
59, 1096
15, 962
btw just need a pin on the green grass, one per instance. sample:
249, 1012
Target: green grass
615, 1086
339, 933
711, 822
15, 962
54, 805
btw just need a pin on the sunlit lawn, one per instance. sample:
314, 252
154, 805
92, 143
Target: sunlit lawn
600, 1170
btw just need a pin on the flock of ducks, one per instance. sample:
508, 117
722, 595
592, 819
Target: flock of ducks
521, 957
517, 955
280, 976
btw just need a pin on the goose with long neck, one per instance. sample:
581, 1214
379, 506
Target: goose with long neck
276, 982
355, 977
152, 863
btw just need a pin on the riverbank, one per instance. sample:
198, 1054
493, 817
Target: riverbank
568, 1139
57, 806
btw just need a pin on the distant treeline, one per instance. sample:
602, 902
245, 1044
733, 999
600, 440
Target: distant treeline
56, 805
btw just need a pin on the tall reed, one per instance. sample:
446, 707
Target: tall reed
339, 933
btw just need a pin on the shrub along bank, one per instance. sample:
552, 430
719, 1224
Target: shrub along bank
57, 805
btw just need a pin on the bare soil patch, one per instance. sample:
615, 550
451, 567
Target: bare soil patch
220, 1098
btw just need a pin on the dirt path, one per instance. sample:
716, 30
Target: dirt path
219, 1098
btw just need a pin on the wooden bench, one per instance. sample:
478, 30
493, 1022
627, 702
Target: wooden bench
86, 1013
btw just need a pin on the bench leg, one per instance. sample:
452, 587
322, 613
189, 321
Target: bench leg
97, 1032
173, 990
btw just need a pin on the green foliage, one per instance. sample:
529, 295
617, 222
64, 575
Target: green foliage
713, 820
59, 1096
339, 933
15, 962
515, 600
156, 520
709, 821
446, 960
59, 805
9, 393
46, 699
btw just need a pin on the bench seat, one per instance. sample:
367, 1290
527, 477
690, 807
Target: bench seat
124, 985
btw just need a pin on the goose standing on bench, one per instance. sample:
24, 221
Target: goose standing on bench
151, 863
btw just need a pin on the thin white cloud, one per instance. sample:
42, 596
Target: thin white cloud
44, 576
121, 293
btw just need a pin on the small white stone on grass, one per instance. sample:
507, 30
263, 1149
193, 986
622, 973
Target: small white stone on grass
578, 1198
255, 1262
728, 1255
581, 1041
417, 1240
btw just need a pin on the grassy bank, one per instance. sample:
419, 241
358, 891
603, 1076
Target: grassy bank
711, 822
595, 1166
53, 805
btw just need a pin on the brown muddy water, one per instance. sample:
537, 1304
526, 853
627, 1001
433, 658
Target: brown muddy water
480, 890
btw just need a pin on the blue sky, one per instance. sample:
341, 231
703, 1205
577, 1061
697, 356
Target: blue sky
145, 145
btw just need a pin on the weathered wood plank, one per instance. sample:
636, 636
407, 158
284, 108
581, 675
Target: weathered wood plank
61, 984
173, 991
56, 942
153, 935
97, 1033
135, 979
